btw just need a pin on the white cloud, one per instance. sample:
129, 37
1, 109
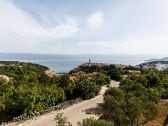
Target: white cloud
21, 30
135, 46
95, 20
16, 21
65, 29
97, 43
55, 30
144, 46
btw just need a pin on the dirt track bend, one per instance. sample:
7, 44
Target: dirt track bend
75, 113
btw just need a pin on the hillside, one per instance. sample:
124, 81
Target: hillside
89, 67
162, 59
158, 65
13, 68
27, 89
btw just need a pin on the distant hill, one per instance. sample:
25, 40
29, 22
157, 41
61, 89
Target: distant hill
162, 59
165, 59
13, 68
156, 64
90, 67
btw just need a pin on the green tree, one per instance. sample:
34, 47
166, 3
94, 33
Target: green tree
114, 73
130, 105
101, 79
94, 122
153, 79
60, 120
114, 103
86, 88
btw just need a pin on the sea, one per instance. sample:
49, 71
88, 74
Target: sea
61, 63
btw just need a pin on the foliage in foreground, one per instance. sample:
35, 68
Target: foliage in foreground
136, 101
94, 122
30, 90
60, 120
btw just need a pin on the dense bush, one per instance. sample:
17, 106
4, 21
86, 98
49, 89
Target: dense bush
60, 120
94, 122
26, 98
31, 90
101, 79
86, 88
126, 107
114, 73
136, 100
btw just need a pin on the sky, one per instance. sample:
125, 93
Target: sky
84, 26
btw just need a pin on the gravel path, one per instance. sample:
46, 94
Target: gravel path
75, 113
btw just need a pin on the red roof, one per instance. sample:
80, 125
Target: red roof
134, 72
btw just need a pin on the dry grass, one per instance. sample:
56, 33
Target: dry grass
163, 112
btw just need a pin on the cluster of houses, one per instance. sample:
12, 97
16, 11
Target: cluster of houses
134, 72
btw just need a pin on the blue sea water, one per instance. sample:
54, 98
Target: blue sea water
64, 63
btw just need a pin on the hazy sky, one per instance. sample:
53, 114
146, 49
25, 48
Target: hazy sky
84, 26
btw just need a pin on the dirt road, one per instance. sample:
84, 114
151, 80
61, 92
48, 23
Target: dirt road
75, 113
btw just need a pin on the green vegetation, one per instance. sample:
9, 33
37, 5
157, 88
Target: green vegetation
114, 73
15, 68
136, 101
30, 90
60, 120
94, 122
109, 70
90, 86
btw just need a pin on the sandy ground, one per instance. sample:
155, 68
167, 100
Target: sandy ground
75, 113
